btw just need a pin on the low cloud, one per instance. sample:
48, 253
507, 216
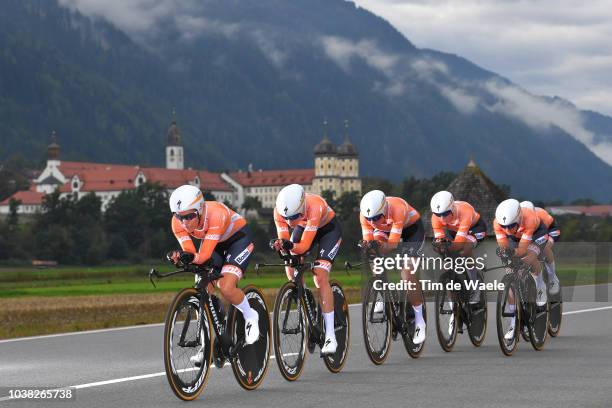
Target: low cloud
543, 114
342, 51
546, 46
269, 48
142, 20
461, 100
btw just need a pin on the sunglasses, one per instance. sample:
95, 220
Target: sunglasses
511, 226
374, 218
293, 217
186, 217
444, 214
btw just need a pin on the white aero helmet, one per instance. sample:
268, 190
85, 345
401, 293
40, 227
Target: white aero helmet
290, 201
527, 204
372, 204
508, 212
185, 198
441, 202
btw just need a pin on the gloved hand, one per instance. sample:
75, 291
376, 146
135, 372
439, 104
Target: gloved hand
505, 254
282, 245
178, 257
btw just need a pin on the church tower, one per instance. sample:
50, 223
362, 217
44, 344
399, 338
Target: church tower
348, 164
174, 149
326, 176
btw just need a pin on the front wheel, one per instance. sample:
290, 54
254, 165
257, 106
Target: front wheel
290, 332
555, 307
335, 362
251, 362
414, 350
376, 324
506, 317
187, 332
477, 328
447, 313
535, 317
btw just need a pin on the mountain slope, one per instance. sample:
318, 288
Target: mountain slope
252, 81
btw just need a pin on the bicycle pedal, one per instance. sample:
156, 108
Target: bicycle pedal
218, 359
311, 345
394, 334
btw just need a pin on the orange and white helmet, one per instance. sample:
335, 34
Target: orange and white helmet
185, 198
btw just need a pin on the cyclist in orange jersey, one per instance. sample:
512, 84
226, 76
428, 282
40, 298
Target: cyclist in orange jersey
459, 222
553, 235
310, 221
520, 231
225, 242
387, 221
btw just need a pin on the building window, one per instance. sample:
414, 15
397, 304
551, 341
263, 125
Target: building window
75, 185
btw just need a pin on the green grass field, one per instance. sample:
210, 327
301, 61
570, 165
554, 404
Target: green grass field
79, 281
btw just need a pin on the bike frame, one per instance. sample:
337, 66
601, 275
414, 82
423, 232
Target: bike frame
204, 276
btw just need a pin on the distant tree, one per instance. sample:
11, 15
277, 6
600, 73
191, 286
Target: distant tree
138, 216
376, 183
251, 203
328, 196
13, 217
584, 201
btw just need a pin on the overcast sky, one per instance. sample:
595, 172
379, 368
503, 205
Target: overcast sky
549, 47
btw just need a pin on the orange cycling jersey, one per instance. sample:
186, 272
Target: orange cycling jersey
544, 216
317, 214
527, 227
399, 216
464, 218
219, 224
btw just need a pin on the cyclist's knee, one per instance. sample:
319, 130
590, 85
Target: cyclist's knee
227, 284
321, 272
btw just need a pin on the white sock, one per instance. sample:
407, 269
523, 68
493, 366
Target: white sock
418, 314
540, 279
329, 324
247, 311
510, 308
450, 305
550, 270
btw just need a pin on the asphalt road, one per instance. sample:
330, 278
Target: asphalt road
124, 367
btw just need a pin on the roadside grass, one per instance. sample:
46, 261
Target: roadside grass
35, 302
134, 279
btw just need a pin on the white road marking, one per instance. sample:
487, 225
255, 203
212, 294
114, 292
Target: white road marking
587, 310
162, 373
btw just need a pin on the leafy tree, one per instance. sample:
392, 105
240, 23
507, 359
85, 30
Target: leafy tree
13, 218
251, 203
142, 219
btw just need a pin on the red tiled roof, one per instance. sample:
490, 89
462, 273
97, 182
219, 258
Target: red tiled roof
114, 177
591, 210
274, 177
598, 210
26, 197
212, 181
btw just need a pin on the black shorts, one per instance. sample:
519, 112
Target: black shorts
554, 232
234, 253
478, 231
538, 240
328, 238
413, 238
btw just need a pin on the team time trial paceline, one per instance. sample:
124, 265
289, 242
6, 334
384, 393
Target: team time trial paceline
415, 263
